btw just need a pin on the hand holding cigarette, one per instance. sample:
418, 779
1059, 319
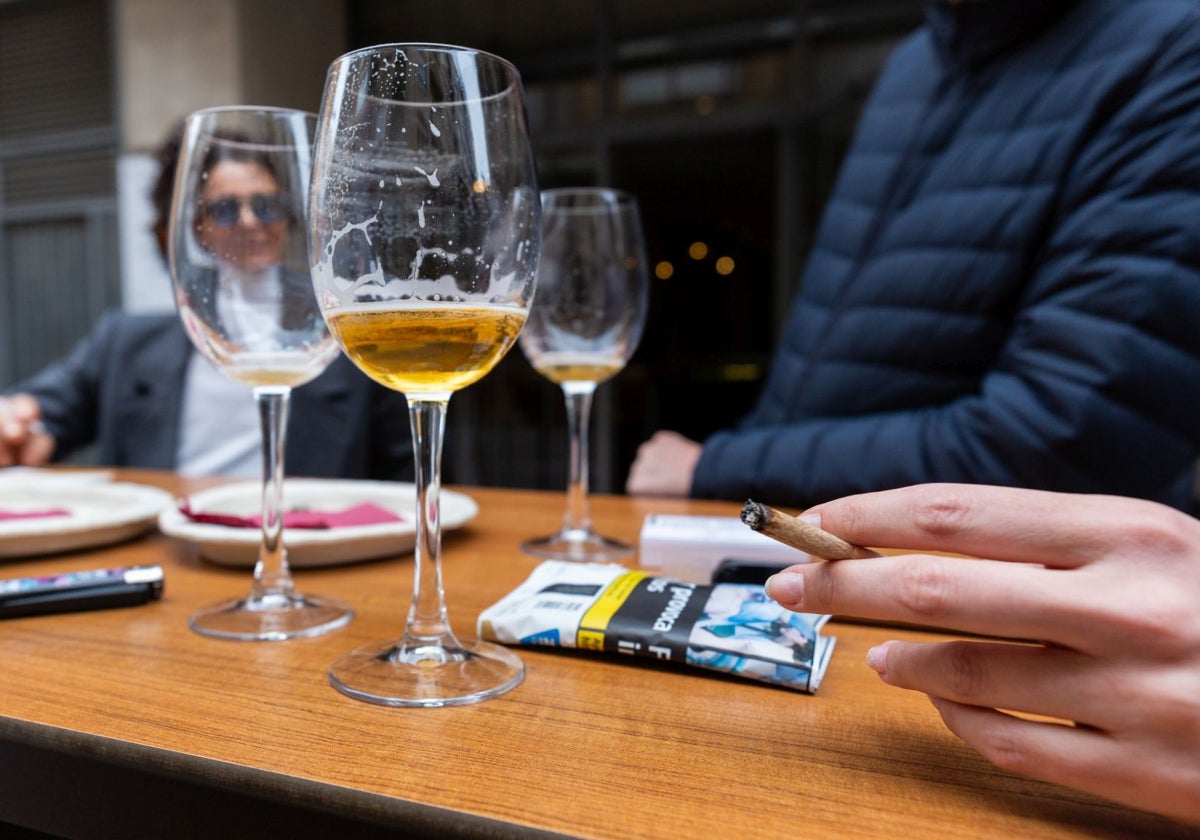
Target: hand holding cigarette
797, 533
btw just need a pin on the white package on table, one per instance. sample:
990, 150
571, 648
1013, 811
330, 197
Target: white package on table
690, 547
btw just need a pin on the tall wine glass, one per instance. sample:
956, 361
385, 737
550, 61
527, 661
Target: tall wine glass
239, 264
424, 236
583, 327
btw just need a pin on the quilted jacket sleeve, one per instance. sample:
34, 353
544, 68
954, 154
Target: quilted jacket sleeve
1097, 388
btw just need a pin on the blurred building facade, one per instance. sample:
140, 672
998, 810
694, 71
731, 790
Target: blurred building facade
727, 118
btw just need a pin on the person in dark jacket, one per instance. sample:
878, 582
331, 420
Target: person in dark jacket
1005, 286
136, 387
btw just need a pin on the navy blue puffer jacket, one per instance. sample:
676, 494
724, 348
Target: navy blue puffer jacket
1005, 287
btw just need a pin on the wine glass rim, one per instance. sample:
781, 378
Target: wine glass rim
447, 49
596, 201
265, 109
430, 46
608, 193
209, 122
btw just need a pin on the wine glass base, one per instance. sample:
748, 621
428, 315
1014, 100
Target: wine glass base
448, 673
578, 545
271, 618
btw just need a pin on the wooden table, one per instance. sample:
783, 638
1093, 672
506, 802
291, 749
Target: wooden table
123, 723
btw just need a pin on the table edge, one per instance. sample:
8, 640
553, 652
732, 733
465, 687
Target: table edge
270, 786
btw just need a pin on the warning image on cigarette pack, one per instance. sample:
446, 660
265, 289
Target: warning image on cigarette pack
732, 628
744, 632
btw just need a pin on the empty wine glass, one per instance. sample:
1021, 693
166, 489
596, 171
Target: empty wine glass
239, 265
424, 236
584, 326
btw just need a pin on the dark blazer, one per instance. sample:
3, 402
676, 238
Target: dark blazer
1005, 287
122, 388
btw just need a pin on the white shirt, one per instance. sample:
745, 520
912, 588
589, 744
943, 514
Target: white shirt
250, 306
221, 432
219, 429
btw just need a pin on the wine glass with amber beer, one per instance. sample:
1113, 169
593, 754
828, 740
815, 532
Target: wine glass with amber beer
424, 238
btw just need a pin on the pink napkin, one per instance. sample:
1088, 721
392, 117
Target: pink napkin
361, 514
33, 514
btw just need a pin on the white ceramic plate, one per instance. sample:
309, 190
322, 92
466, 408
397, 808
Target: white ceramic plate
100, 513
233, 546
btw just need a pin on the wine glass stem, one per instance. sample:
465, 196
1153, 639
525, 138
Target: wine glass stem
427, 618
579, 408
271, 574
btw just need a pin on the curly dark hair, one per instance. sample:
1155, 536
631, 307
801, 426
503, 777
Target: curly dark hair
167, 157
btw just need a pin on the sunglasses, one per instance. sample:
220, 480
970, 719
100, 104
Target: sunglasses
225, 212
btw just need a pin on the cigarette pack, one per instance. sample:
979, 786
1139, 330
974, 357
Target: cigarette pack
689, 548
731, 628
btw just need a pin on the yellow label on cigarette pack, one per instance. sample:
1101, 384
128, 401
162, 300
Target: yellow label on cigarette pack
595, 621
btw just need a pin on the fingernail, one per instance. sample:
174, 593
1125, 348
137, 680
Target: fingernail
786, 587
813, 519
877, 659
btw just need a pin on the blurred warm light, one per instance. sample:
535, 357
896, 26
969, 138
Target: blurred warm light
480, 186
698, 251
740, 372
663, 270
724, 265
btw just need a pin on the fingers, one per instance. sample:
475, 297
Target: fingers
23, 439
22, 407
1032, 748
1048, 681
1101, 555
663, 466
11, 425
1154, 779
977, 596
1055, 529
38, 449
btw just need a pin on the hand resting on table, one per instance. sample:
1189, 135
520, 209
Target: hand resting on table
23, 439
664, 466
1112, 587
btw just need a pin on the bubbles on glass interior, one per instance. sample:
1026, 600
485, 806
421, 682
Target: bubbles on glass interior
350, 254
431, 177
442, 219
385, 64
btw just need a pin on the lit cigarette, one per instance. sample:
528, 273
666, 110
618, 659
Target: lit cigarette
797, 533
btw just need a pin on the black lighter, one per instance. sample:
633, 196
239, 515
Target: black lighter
73, 591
